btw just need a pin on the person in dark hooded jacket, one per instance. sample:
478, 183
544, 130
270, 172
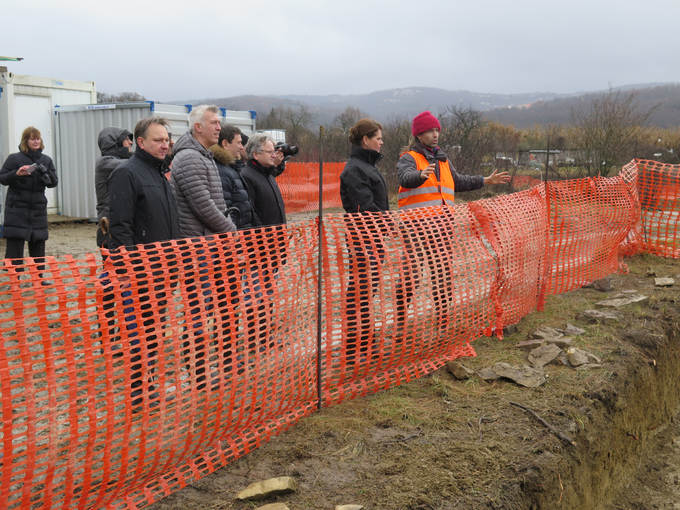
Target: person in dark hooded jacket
26, 203
225, 152
115, 145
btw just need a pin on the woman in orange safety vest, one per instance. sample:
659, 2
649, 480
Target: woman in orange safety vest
425, 175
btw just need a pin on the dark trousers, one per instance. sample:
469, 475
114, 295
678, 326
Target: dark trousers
15, 248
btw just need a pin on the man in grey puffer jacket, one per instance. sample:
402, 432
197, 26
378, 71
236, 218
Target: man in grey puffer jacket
195, 180
114, 144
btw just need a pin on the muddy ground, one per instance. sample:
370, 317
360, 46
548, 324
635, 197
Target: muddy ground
438, 443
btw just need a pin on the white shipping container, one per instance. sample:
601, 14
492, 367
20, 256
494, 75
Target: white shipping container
30, 101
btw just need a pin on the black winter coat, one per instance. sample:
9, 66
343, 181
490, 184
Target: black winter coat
110, 143
235, 192
265, 195
142, 208
362, 186
26, 203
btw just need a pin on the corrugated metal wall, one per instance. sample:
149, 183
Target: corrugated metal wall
77, 153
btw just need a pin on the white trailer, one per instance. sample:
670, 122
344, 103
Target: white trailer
30, 101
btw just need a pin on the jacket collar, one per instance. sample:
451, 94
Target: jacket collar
222, 156
149, 160
426, 151
263, 170
368, 155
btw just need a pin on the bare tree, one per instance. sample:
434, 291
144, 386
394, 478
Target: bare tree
295, 120
123, 97
299, 120
606, 130
344, 121
396, 134
465, 137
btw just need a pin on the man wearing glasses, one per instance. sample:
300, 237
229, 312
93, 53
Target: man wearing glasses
264, 164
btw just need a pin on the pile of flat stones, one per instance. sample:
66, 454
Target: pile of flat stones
550, 345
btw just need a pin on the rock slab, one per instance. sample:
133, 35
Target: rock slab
268, 488
578, 357
572, 330
273, 506
459, 371
543, 355
530, 345
562, 343
524, 375
664, 282
601, 316
348, 507
621, 300
486, 374
545, 332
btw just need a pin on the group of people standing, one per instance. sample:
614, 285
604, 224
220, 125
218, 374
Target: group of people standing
216, 184
221, 180
426, 176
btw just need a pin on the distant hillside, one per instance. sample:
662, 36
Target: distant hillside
558, 111
262, 105
413, 100
521, 110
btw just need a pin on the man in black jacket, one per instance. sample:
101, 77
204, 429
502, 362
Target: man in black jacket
264, 164
226, 151
115, 145
142, 208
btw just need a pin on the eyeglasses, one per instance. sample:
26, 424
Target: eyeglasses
271, 153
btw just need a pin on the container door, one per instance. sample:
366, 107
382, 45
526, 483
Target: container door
36, 111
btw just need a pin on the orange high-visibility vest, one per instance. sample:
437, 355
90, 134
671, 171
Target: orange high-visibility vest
432, 191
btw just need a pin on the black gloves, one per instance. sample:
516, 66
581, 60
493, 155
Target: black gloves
41, 173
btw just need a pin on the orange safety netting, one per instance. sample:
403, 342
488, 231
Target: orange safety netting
299, 186
124, 381
659, 189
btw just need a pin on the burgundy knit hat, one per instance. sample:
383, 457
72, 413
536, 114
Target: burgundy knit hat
424, 122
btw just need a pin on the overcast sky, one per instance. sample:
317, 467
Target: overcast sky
195, 49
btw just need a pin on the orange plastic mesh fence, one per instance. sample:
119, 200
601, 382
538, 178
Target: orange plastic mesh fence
124, 382
299, 186
515, 226
588, 221
123, 385
403, 294
659, 188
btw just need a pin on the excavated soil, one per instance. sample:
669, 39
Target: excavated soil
437, 443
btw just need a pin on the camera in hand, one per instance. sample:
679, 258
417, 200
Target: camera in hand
287, 150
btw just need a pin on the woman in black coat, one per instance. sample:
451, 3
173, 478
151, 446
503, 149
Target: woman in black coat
362, 189
26, 203
362, 186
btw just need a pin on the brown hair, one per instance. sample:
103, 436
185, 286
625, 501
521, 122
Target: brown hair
30, 132
228, 133
365, 127
143, 125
